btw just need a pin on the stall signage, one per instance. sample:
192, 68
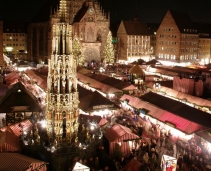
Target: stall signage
103, 106
20, 108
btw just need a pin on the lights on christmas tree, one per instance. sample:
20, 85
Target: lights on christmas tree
77, 51
108, 52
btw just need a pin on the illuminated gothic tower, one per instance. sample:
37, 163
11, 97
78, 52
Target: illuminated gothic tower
62, 96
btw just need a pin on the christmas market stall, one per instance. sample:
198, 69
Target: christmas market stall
10, 136
80, 167
16, 161
94, 103
9, 142
19, 104
12, 77
120, 137
168, 163
97, 85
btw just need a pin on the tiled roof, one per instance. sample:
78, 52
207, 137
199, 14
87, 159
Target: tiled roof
183, 21
136, 28
81, 13
204, 29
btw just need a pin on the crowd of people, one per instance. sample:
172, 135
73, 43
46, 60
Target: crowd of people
147, 152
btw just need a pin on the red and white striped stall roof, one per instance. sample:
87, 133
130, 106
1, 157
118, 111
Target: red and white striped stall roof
181, 123
119, 133
21, 126
102, 122
18, 162
9, 142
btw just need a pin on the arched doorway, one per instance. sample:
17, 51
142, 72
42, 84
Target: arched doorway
91, 54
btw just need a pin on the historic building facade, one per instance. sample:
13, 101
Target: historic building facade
204, 48
15, 39
91, 25
1, 44
89, 22
177, 38
133, 41
62, 95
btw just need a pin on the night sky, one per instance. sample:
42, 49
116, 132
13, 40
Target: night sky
147, 10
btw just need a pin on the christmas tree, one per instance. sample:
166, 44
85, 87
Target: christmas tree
77, 51
108, 52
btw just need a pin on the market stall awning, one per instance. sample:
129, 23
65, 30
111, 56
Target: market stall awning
177, 108
38, 77
102, 122
16, 161
120, 132
12, 77
179, 122
9, 142
17, 128
182, 96
130, 87
205, 134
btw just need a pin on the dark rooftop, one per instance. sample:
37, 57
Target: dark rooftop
178, 108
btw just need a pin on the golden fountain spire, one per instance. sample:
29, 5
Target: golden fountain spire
63, 10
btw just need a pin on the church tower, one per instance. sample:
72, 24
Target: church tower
62, 96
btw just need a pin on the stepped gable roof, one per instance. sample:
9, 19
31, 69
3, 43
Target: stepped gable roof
136, 28
183, 21
18, 95
178, 108
80, 14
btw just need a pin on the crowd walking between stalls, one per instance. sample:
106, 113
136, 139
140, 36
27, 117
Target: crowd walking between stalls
155, 141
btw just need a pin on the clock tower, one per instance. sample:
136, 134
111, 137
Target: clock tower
62, 95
